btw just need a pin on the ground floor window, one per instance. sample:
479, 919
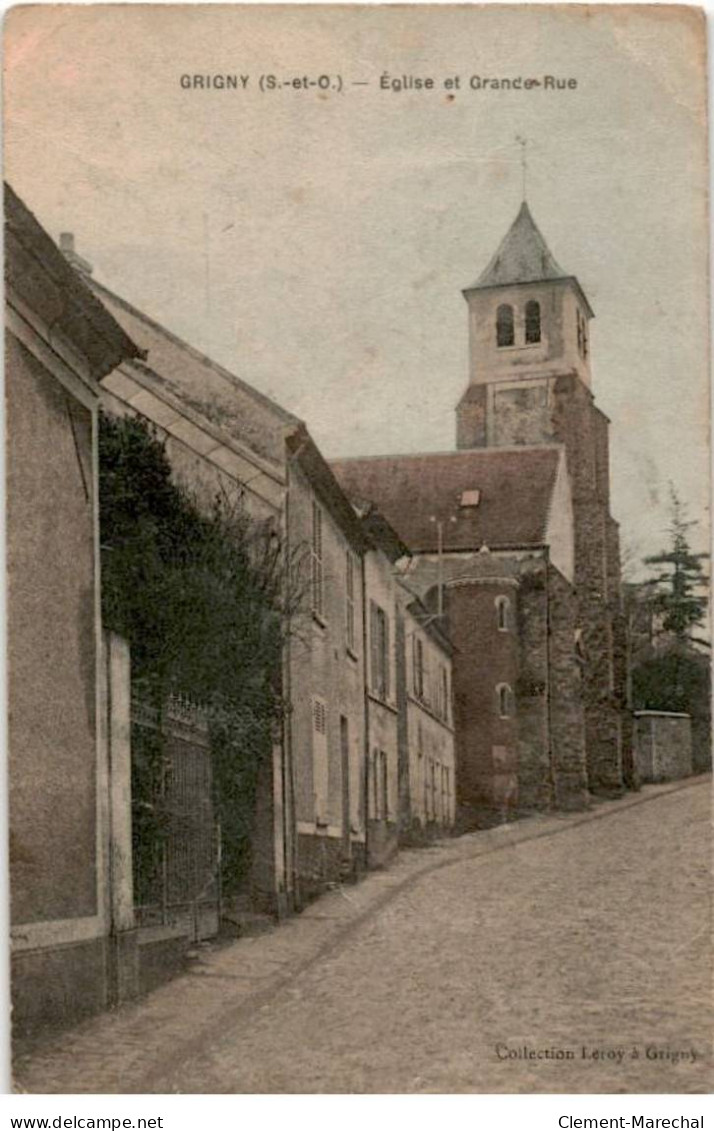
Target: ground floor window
380, 785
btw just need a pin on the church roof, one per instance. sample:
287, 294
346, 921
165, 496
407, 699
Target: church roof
522, 257
513, 488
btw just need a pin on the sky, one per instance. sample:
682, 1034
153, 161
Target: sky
316, 242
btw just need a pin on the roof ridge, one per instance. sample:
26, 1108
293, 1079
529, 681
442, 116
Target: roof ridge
562, 465
453, 452
232, 378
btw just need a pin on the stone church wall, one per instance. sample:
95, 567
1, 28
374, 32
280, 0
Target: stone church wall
567, 719
486, 744
583, 429
534, 769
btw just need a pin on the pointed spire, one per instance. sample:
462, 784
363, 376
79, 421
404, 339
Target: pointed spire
523, 256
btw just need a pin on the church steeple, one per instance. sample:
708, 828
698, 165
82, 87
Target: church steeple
522, 257
528, 325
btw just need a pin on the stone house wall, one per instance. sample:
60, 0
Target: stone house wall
427, 745
56, 870
325, 685
66, 920
381, 709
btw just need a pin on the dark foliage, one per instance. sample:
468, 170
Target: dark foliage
678, 588
675, 681
197, 595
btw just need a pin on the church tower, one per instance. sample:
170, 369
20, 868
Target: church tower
530, 384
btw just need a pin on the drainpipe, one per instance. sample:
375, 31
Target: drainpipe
290, 867
439, 565
365, 684
548, 700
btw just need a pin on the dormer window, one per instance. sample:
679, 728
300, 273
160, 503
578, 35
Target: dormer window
532, 322
505, 335
471, 497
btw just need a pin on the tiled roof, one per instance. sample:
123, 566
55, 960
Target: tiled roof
37, 271
224, 399
523, 256
515, 487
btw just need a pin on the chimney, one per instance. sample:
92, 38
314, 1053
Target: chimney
66, 246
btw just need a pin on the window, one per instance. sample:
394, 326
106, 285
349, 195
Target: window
504, 326
319, 759
434, 768
379, 650
505, 700
380, 785
444, 693
582, 335
532, 322
425, 780
375, 784
418, 668
502, 613
385, 785
318, 595
350, 602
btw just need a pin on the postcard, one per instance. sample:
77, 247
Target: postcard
357, 434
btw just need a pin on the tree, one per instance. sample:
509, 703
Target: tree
200, 594
678, 588
669, 669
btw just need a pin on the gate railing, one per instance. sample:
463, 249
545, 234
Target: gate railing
175, 831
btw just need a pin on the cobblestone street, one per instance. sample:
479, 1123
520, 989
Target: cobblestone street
586, 937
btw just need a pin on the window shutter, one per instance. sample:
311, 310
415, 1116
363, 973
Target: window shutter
385, 786
319, 759
385, 656
373, 647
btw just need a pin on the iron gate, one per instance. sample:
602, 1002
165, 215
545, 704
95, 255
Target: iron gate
176, 836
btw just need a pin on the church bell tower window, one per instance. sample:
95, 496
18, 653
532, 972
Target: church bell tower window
582, 336
532, 322
504, 326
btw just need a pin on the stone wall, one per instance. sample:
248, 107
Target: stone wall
561, 409
486, 744
663, 745
567, 718
535, 783
583, 429
52, 646
321, 665
471, 418
426, 728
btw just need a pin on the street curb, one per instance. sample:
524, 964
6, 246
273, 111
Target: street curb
256, 1000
